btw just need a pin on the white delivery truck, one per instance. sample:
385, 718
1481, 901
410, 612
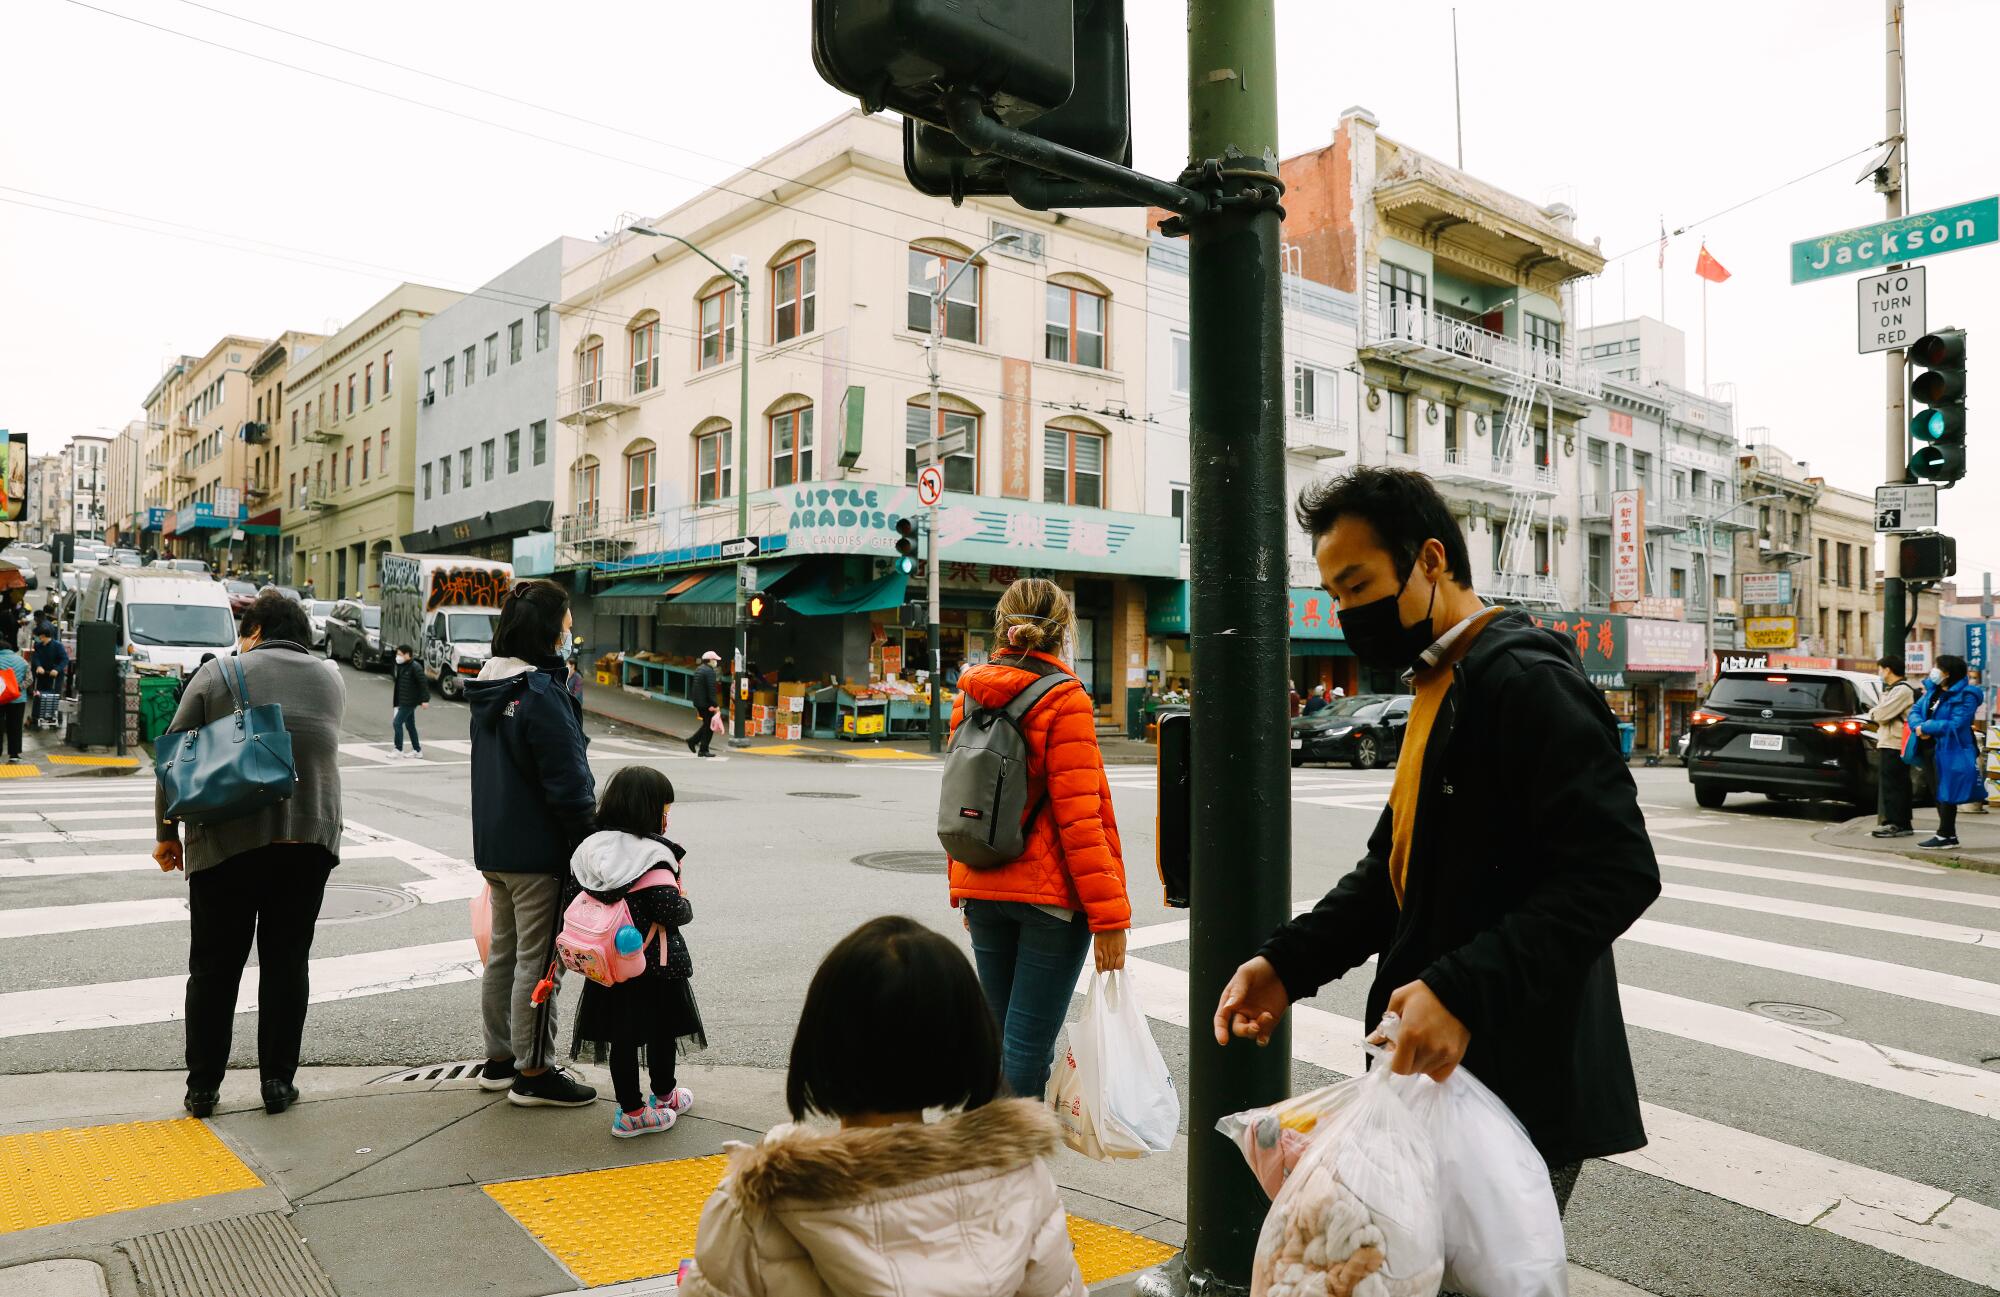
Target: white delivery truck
444, 606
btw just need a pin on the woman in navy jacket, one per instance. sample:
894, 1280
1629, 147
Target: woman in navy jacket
533, 803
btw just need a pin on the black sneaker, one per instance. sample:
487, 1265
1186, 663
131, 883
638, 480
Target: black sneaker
201, 1103
279, 1095
1891, 831
498, 1074
555, 1088
1938, 840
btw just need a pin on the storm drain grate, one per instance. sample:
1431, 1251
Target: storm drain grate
360, 902
827, 796
1799, 1015
470, 1069
248, 1256
904, 862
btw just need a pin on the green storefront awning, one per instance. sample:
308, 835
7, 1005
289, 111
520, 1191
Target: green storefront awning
631, 598
820, 600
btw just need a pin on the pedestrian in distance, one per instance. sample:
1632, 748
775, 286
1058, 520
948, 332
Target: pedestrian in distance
261, 875
1035, 918
12, 613
1317, 703
533, 803
16, 680
1943, 719
654, 1014
408, 691
1512, 852
887, 1204
51, 661
705, 694
1892, 777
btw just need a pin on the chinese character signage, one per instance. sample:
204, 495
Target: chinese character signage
1313, 615
1770, 632
1975, 646
1916, 657
1766, 588
1669, 646
1599, 640
1016, 382
1628, 545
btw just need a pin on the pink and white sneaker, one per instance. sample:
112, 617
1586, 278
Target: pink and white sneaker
649, 1120
677, 1103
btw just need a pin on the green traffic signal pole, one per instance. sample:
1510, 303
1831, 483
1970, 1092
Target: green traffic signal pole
1241, 761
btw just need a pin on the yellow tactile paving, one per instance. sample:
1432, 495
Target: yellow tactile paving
52, 1176
72, 759
633, 1222
779, 750
888, 754
19, 772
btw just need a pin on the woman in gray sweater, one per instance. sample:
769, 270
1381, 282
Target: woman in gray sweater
264, 873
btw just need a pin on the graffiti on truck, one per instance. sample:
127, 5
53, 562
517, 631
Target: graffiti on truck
468, 587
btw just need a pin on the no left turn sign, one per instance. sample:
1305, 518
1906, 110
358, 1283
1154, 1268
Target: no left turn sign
930, 484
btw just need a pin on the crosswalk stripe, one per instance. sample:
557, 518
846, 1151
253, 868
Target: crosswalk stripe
1836, 882
54, 866
1946, 989
47, 920
126, 793
160, 999
77, 814
82, 835
1930, 1226
379, 754
1836, 914
463, 747
1839, 857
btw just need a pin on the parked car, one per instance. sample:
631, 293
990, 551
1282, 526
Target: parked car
241, 595
163, 617
354, 632
194, 565
126, 558
1785, 733
1365, 731
317, 611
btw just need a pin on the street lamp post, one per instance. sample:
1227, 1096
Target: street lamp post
931, 556
739, 273
1708, 557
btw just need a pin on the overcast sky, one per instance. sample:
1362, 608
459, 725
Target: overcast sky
305, 198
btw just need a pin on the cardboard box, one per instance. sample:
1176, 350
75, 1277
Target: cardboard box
759, 713
873, 723
793, 688
793, 703
793, 732
769, 725
765, 696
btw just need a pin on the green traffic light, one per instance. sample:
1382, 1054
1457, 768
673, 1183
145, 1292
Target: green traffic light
1928, 426
906, 565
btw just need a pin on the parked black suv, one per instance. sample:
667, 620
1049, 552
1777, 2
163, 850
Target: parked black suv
1366, 731
1786, 733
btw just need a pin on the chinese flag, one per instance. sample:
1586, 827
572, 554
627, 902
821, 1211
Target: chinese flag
1708, 267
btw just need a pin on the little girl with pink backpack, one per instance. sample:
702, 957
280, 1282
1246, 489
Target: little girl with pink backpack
623, 933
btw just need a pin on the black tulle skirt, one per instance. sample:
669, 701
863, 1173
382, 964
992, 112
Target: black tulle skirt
647, 1008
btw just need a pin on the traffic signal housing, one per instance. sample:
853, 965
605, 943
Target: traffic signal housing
1940, 430
761, 609
906, 545
1927, 556
1020, 57
916, 615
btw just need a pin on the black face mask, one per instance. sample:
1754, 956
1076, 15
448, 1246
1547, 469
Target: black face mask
1376, 633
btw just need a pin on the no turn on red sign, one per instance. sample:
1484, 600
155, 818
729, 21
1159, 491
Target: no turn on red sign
1889, 310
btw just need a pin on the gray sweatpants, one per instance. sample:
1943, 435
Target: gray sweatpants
526, 914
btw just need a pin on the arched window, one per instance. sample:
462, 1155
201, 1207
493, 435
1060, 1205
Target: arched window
644, 333
938, 263
791, 424
589, 371
583, 476
793, 292
955, 416
1073, 453
1078, 314
714, 460
715, 323
642, 478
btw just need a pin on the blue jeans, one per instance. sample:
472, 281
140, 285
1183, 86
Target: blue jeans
1028, 963
406, 719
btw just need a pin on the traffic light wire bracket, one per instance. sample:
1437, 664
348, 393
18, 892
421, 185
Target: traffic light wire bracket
1099, 179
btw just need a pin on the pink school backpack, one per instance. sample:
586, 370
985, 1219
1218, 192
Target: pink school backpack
588, 942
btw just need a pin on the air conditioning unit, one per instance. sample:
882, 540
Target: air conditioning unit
430, 397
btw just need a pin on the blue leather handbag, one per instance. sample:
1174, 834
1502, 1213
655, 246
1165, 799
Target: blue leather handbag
228, 768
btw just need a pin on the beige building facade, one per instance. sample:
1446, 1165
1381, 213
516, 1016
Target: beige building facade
348, 480
270, 437
206, 453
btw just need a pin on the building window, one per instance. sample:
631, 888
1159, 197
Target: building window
1866, 641
1183, 365
718, 329
444, 474
486, 460
1177, 504
792, 298
471, 363
295, 428
368, 385
927, 270
350, 395
1844, 556
712, 463
641, 480
586, 487
1074, 329
792, 446
449, 366
514, 333
961, 471
1542, 552
388, 371
1072, 468
542, 329
645, 338
427, 481
430, 384
1677, 583
538, 436
1404, 293
1599, 570
465, 467
590, 372
1542, 447
514, 450
1305, 392
367, 447
350, 467
1399, 422
492, 354
1543, 335
1825, 571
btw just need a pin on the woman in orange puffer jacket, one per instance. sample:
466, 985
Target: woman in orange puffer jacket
1033, 919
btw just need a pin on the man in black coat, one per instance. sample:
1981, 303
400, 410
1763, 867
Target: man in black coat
1512, 852
408, 692
706, 696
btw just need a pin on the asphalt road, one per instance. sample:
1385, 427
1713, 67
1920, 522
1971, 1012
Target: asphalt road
1815, 1030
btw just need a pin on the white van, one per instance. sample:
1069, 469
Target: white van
161, 615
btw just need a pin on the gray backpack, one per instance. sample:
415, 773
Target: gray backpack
983, 813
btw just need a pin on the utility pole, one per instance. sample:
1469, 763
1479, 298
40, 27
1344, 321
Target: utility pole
1895, 459
1241, 840
740, 272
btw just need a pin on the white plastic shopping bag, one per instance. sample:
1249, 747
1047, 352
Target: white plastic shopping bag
1111, 1091
1503, 1234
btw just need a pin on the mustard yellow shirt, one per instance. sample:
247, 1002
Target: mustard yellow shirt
1432, 679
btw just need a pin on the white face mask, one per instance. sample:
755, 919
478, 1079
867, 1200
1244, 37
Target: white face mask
1936, 676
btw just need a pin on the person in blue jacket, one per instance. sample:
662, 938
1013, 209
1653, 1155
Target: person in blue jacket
51, 660
534, 801
1943, 717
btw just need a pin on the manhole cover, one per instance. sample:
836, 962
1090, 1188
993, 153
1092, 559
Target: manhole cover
1802, 1015
904, 862
828, 796
359, 902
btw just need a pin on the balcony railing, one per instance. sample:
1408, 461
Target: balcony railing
1457, 344
599, 398
1315, 438
590, 537
1481, 468
1536, 589
323, 433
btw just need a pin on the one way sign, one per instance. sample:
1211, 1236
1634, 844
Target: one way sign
739, 547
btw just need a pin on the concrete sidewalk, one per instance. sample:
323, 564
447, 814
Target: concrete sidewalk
1979, 836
